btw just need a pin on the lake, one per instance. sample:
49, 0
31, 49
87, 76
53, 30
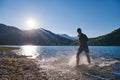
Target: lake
57, 51
58, 62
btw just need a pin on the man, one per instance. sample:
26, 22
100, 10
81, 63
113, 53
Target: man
83, 46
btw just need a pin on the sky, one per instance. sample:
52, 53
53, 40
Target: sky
94, 17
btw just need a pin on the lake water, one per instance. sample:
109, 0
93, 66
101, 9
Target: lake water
58, 62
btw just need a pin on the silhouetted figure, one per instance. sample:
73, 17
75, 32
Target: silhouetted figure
83, 46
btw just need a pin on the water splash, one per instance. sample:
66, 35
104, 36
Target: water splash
83, 60
72, 60
59, 63
106, 62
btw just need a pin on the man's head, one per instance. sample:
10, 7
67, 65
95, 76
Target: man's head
79, 30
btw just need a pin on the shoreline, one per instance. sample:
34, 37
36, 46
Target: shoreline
20, 67
17, 67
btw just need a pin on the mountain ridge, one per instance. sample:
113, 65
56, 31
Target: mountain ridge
15, 36
69, 37
110, 39
10, 35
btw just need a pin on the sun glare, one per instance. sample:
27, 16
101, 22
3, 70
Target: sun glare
31, 23
29, 50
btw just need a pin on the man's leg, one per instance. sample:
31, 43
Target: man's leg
78, 56
88, 57
77, 59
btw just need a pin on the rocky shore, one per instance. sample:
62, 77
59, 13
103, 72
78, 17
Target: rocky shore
17, 67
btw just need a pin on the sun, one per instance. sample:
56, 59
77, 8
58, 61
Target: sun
31, 23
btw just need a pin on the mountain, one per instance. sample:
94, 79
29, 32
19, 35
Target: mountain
68, 37
10, 35
13, 36
110, 39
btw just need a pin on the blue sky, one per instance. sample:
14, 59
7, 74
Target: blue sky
94, 17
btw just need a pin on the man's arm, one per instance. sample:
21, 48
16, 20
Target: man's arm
79, 42
86, 38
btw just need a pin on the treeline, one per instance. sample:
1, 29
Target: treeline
110, 39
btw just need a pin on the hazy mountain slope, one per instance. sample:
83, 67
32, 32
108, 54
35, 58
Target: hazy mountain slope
68, 37
11, 36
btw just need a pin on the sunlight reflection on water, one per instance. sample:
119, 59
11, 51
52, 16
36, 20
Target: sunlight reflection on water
29, 50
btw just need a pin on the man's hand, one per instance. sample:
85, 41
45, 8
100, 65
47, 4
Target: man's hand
78, 35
